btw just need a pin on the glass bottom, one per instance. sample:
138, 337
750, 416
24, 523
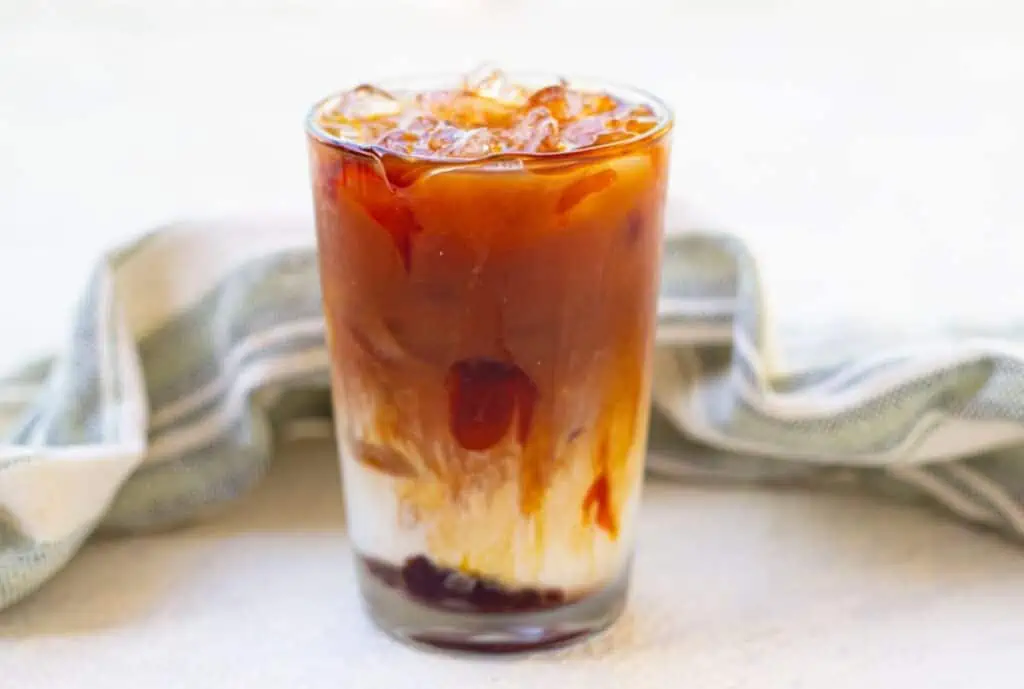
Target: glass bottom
420, 624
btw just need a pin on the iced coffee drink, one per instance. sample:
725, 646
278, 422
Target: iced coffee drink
489, 254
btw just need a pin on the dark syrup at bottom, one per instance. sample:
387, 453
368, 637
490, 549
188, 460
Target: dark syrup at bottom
447, 589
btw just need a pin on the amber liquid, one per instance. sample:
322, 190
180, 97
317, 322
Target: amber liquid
490, 327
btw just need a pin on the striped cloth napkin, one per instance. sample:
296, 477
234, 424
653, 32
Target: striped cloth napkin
195, 347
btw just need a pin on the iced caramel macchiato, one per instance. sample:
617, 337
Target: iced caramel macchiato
489, 254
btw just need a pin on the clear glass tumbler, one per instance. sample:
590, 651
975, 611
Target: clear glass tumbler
490, 324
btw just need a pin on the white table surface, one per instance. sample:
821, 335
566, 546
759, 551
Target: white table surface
872, 152
732, 589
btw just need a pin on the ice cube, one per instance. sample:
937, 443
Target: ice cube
635, 119
419, 124
368, 102
481, 74
469, 110
441, 138
536, 132
476, 143
399, 141
598, 103
495, 84
343, 130
563, 103
582, 133
595, 131
431, 101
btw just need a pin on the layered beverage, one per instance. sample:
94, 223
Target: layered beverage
489, 253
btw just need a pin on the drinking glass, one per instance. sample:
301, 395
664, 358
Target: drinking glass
490, 324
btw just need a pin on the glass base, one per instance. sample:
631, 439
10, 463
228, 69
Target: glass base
420, 625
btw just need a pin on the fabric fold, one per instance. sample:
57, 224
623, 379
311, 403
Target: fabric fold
197, 346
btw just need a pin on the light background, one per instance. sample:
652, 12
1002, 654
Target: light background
871, 151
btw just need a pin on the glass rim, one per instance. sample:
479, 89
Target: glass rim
666, 120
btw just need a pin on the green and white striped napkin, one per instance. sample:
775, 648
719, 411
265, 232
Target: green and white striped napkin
193, 347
